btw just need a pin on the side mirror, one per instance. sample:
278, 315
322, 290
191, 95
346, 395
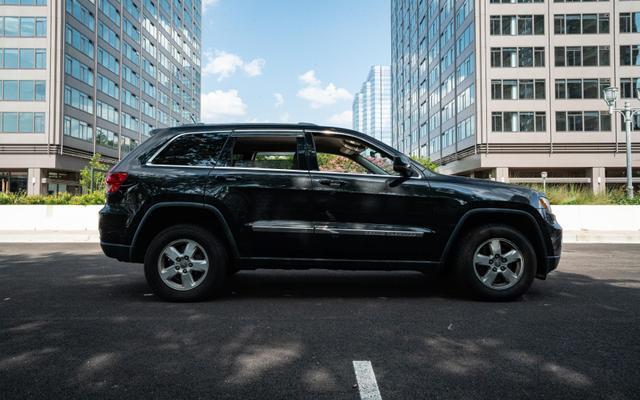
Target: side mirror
402, 165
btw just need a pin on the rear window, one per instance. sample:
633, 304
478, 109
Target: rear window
194, 149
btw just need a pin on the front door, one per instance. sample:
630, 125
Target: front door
365, 210
262, 184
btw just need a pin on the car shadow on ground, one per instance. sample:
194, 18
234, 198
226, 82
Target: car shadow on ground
79, 326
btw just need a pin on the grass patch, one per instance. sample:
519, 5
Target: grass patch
580, 195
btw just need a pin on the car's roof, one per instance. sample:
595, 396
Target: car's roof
265, 125
258, 126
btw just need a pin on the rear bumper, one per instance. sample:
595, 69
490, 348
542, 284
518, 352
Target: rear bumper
120, 252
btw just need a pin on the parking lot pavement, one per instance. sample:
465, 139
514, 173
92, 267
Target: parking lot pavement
74, 324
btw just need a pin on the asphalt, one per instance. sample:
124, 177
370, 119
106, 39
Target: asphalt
74, 324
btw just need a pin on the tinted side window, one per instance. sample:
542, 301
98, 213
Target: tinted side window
264, 151
199, 149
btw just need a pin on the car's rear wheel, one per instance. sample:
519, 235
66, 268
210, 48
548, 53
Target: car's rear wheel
186, 263
495, 262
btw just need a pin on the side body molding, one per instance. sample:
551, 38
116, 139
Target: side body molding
221, 220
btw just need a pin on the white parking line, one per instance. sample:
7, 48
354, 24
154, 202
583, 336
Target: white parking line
366, 381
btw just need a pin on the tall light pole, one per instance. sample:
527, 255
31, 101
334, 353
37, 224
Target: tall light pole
610, 97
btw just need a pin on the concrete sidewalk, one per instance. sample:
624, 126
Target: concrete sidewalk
91, 236
49, 237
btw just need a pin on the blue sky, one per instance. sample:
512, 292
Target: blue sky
289, 61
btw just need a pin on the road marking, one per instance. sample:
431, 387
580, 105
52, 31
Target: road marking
366, 381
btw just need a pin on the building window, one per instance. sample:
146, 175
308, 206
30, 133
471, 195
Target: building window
107, 112
576, 24
517, 25
577, 56
583, 121
523, 121
512, 57
515, 1
79, 41
21, 122
23, 58
78, 70
630, 55
77, 129
81, 13
630, 22
581, 88
106, 138
629, 87
78, 99
23, 26
24, 90
110, 11
511, 89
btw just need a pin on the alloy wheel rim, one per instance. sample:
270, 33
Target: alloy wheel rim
183, 265
498, 264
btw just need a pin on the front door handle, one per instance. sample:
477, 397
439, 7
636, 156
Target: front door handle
228, 178
332, 182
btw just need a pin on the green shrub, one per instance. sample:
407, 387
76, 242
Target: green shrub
94, 198
427, 163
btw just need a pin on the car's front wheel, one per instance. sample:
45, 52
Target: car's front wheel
185, 263
495, 262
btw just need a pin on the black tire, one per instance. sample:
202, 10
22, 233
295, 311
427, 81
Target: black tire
215, 251
465, 268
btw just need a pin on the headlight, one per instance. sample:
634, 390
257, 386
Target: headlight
545, 204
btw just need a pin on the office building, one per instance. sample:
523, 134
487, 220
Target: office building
81, 77
372, 104
507, 89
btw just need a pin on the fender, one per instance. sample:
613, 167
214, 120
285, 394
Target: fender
214, 210
470, 213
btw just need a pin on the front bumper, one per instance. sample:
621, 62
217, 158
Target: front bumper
552, 259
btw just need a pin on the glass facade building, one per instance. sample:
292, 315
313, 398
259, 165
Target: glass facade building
372, 104
506, 89
91, 76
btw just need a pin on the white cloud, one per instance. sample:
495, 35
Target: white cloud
279, 99
319, 96
309, 78
343, 119
208, 3
254, 67
224, 64
285, 117
219, 106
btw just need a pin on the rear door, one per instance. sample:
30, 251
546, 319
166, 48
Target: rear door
262, 184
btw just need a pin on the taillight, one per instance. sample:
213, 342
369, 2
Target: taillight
115, 180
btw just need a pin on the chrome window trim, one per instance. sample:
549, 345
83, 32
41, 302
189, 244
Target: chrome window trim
150, 163
365, 175
304, 171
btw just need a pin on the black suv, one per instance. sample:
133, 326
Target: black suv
197, 203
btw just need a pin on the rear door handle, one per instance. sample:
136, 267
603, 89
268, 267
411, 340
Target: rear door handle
332, 182
228, 178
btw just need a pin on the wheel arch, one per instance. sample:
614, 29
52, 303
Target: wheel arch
522, 221
163, 215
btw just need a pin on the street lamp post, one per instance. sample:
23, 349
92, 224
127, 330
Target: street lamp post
610, 97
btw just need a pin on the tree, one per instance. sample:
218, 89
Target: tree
427, 163
98, 170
